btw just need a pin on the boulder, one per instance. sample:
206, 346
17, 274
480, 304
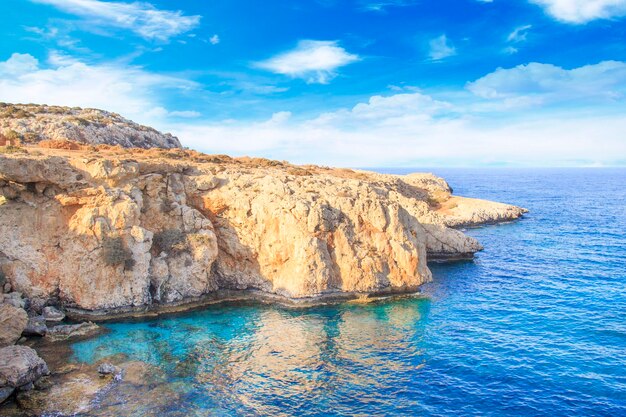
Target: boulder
13, 321
105, 369
20, 366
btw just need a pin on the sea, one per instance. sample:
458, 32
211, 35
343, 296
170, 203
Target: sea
534, 326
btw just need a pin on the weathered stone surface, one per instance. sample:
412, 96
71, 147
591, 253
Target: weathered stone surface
92, 126
66, 331
15, 299
53, 314
13, 320
20, 365
36, 326
108, 369
122, 229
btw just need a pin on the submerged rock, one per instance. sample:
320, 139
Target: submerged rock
69, 395
67, 331
13, 321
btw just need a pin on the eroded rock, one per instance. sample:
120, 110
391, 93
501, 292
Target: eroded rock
20, 366
53, 314
13, 321
67, 331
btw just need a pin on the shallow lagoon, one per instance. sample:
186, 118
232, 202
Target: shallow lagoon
535, 326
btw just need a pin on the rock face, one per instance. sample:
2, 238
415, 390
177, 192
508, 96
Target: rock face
118, 229
13, 321
34, 123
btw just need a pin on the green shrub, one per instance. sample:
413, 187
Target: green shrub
115, 252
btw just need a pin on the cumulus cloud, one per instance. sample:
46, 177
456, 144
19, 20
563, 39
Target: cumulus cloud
313, 61
215, 39
582, 11
128, 90
549, 83
142, 18
441, 48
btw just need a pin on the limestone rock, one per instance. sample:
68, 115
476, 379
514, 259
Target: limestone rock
13, 321
121, 230
67, 331
19, 366
71, 395
36, 326
53, 314
15, 299
35, 123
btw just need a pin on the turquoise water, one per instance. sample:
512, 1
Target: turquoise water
535, 326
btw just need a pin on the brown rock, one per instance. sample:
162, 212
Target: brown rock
13, 321
19, 366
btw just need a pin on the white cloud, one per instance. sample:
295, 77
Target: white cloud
440, 48
140, 17
549, 83
215, 39
162, 112
413, 138
128, 90
314, 61
505, 120
508, 120
519, 34
582, 11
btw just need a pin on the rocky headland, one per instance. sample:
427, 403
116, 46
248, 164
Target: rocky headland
91, 229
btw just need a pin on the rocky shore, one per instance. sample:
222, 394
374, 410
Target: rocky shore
105, 229
92, 231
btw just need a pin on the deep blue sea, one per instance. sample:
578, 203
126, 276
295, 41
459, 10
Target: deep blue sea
535, 326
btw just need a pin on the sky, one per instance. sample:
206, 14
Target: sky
356, 83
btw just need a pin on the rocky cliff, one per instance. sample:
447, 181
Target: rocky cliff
31, 123
109, 229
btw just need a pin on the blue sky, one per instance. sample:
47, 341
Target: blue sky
352, 83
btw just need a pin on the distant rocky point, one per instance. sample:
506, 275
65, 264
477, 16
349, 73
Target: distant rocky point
32, 123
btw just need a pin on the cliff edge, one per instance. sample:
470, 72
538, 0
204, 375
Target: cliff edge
107, 229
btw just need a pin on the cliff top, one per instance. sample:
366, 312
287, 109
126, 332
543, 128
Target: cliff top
32, 123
